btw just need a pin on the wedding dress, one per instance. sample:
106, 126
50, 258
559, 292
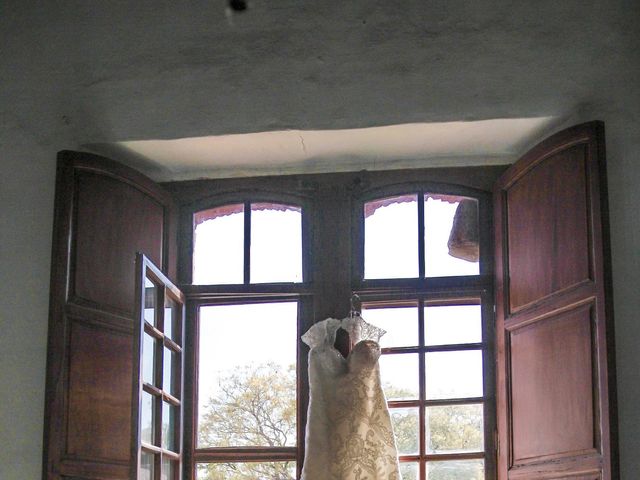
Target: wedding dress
349, 434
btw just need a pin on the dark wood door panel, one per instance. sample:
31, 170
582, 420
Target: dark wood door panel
550, 206
113, 218
581, 467
554, 319
99, 389
534, 474
104, 214
552, 387
591, 476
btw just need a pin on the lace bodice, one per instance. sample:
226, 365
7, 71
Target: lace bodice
349, 434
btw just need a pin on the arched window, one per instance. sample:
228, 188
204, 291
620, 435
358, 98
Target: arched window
247, 264
418, 277
252, 242
263, 271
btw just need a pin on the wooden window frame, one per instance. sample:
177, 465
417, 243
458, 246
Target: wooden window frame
164, 288
195, 455
234, 294
335, 200
424, 290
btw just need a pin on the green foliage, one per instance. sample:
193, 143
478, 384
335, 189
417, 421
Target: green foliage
256, 406
456, 470
455, 428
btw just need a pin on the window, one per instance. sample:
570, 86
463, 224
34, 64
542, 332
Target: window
247, 243
247, 263
93, 299
412, 255
158, 386
436, 353
434, 384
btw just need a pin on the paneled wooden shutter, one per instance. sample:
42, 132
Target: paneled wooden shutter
104, 214
556, 387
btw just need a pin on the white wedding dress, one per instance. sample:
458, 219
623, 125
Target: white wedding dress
349, 434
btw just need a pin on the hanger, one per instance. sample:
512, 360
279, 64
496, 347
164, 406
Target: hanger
354, 312
343, 341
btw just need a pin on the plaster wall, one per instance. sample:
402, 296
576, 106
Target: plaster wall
76, 74
26, 195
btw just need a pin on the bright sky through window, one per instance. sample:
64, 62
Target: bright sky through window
218, 250
235, 339
391, 241
276, 244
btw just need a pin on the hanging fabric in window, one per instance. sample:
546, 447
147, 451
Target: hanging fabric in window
349, 433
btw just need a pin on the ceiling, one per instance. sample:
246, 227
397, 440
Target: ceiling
483, 142
305, 80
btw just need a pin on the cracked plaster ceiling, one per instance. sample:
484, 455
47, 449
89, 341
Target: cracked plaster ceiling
123, 78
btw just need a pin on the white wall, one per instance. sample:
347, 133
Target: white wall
26, 217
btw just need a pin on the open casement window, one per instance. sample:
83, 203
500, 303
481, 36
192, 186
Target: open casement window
158, 385
556, 388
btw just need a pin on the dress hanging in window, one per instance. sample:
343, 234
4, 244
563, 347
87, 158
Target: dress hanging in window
349, 434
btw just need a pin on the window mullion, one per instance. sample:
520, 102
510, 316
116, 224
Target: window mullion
247, 243
422, 379
421, 242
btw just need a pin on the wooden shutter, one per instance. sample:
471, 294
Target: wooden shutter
104, 214
555, 381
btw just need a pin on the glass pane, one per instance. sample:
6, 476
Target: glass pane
454, 429
399, 375
171, 319
147, 409
246, 471
456, 470
455, 374
452, 324
146, 466
169, 469
150, 300
401, 324
451, 239
276, 243
218, 245
406, 429
171, 372
409, 470
169, 426
247, 375
391, 237
148, 359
